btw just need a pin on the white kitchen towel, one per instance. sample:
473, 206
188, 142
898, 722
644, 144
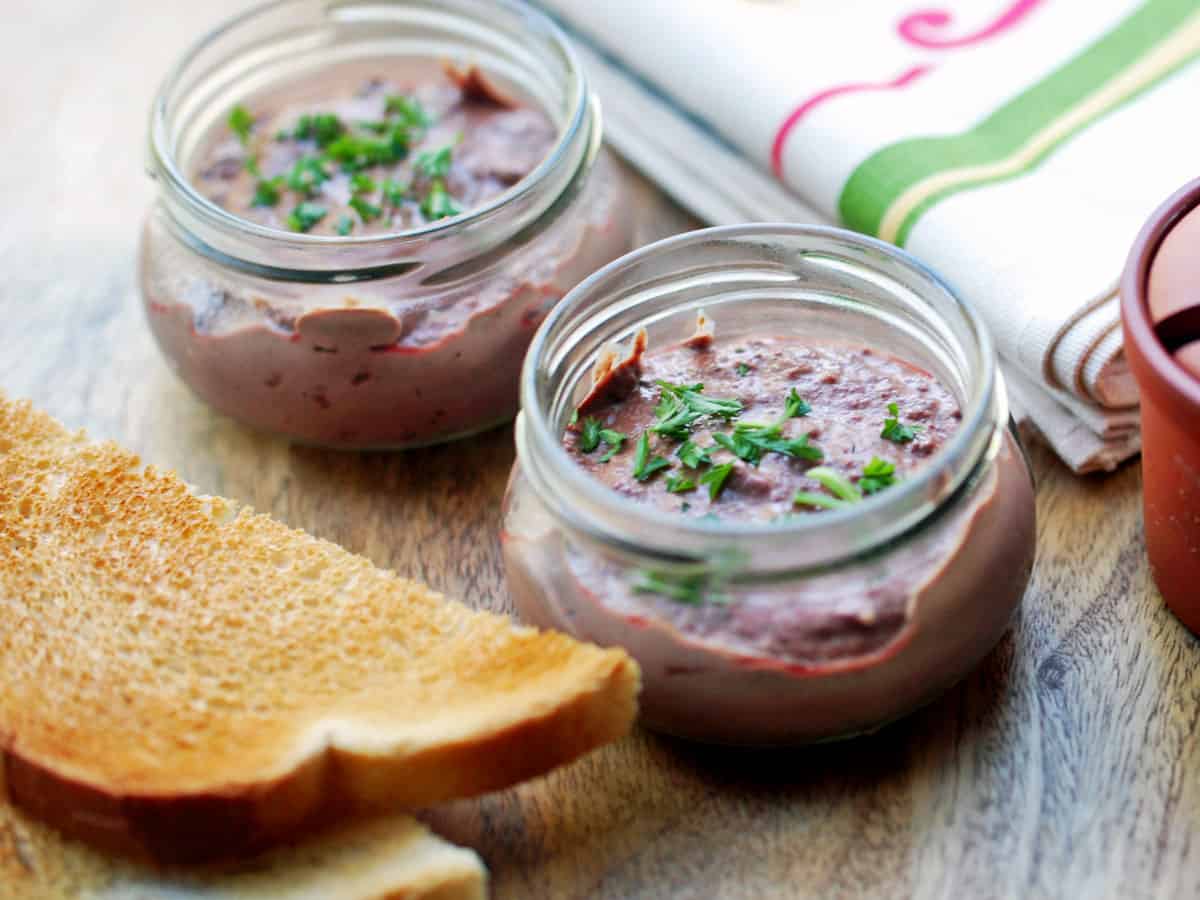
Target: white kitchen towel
681, 154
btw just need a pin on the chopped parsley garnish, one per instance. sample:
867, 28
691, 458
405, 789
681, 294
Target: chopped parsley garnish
715, 478
750, 441
266, 193
679, 406
894, 431
251, 164
795, 406
677, 484
691, 589
307, 175
644, 464
361, 183
324, 128
305, 216
435, 163
355, 147
589, 434
345, 225
592, 434
408, 110
844, 492
354, 152
366, 210
615, 440
811, 498
877, 475
437, 203
240, 123
836, 483
743, 370
693, 456
394, 191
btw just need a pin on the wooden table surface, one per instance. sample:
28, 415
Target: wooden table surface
1066, 766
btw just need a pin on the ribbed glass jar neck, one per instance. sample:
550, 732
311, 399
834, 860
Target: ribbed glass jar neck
283, 41
760, 279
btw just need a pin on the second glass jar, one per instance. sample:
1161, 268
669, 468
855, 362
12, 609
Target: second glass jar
817, 626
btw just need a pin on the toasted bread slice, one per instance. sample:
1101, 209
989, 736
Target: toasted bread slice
184, 680
393, 857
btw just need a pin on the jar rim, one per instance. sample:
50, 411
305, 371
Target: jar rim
680, 538
165, 164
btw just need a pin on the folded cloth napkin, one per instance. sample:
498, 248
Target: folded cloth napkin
1015, 147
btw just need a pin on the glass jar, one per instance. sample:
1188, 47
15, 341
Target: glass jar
372, 341
818, 626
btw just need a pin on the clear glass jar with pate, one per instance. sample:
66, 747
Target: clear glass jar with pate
814, 627
376, 340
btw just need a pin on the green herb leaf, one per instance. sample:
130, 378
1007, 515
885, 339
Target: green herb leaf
679, 406
677, 484
693, 590
894, 431
345, 225
645, 465
306, 175
750, 441
796, 406
435, 163
354, 152
324, 128
361, 183
266, 193
589, 434
715, 478
692, 455
240, 123
438, 203
614, 439
740, 448
822, 501
877, 475
408, 110
251, 164
743, 370
366, 210
399, 140
394, 191
835, 483
305, 216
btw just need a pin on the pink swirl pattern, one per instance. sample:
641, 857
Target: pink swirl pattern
904, 79
920, 28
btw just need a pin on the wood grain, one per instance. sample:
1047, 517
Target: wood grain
1066, 766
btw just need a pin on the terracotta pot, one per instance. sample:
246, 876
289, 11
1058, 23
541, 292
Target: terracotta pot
1170, 396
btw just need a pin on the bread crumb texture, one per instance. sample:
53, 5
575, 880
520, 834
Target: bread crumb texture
161, 644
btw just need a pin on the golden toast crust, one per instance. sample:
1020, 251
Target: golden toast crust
185, 679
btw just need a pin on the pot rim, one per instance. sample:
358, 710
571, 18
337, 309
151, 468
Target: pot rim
1146, 351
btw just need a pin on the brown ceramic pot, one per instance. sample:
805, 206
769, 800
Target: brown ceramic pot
1170, 396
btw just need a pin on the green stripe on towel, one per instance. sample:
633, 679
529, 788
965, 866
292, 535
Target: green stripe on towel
891, 190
